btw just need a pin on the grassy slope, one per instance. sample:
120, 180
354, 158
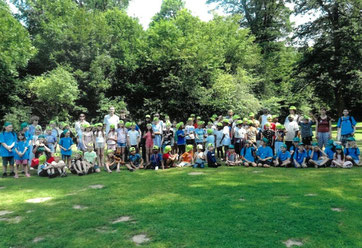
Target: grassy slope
179, 210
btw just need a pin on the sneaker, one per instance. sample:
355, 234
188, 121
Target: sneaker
12, 173
16, 176
5, 174
80, 174
65, 174
156, 168
27, 175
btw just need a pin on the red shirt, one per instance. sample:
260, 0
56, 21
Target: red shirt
166, 156
323, 125
50, 160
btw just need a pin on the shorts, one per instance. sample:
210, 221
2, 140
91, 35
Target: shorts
307, 140
190, 142
99, 145
22, 161
319, 161
121, 144
8, 161
43, 173
64, 157
183, 164
268, 162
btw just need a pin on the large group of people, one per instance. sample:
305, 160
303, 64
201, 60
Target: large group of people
156, 143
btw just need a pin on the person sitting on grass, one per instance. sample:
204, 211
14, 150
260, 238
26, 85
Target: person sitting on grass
111, 162
44, 168
199, 157
210, 139
90, 159
338, 158
187, 158
232, 157
294, 145
156, 161
135, 160
264, 154
77, 166
317, 157
330, 151
300, 157
211, 159
65, 144
248, 154
169, 158
59, 165
283, 158
352, 152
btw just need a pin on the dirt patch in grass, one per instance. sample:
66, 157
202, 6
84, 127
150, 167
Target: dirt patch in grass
96, 186
79, 207
39, 200
14, 220
121, 219
140, 239
292, 242
38, 239
310, 194
337, 209
2, 187
5, 212
196, 173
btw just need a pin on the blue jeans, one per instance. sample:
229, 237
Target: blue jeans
323, 139
202, 165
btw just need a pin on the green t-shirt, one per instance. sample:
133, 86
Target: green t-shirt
90, 157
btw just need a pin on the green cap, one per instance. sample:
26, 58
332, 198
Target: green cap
156, 119
189, 119
86, 125
250, 122
48, 128
251, 115
192, 115
7, 124
235, 117
201, 122
338, 147
292, 108
128, 124
121, 122
131, 149
226, 121
219, 124
198, 118
52, 122
296, 139
23, 125
239, 122
214, 116
148, 116
265, 140
245, 119
210, 145
109, 151
42, 159
155, 147
167, 149
210, 131
189, 148
112, 126
267, 124
284, 145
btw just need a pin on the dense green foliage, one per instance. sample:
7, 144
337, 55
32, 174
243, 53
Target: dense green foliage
244, 61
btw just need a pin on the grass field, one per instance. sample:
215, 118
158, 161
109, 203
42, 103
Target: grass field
224, 207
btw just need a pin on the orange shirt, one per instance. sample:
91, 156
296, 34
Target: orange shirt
187, 157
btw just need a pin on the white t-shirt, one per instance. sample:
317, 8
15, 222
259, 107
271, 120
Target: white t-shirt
296, 117
291, 128
264, 120
109, 120
239, 133
78, 125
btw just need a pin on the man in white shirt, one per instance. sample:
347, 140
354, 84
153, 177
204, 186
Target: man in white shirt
80, 122
111, 118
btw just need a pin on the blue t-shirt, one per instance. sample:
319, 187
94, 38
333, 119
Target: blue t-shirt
66, 142
248, 151
299, 156
264, 152
135, 159
210, 139
316, 155
156, 159
189, 129
200, 135
283, 156
353, 152
31, 130
20, 146
55, 133
306, 129
51, 139
218, 134
133, 137
346, 124
8, 138
180, 137
328, 150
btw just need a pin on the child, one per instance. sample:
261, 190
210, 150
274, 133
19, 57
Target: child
122, 139
338, 158
251, 132
111, 162
239, 136
90, 158
65, 145
218, 135
268, 133
306, 131
45, 169
181, 141
58, 165
112, 138
157, 131
190, 132
226, 139
248, 154
21, 154
294, 145
7, 140
346, 126
148, 136
211, 159
200, 133
55, 133
51, 140
156, 159
167, 137
264, 154
317, 157
87, 135
279, 138
300, 156
187, 158
210, 139
133, 136
135, 159
352, 151
330, 150
169, 158
232, 156
34, 120
77, 166
291, 128
99, 136
199, 157
283, 158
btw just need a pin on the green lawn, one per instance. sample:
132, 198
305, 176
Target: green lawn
175, 209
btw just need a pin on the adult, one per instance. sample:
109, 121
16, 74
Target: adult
230, 115
78, 129
110, 119
263, 119
143, 128
292, 112
123, 115
346, 127
323, 128
34, 120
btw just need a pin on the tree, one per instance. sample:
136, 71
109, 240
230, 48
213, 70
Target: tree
103, 4
169, 9
332, 65
15, 51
